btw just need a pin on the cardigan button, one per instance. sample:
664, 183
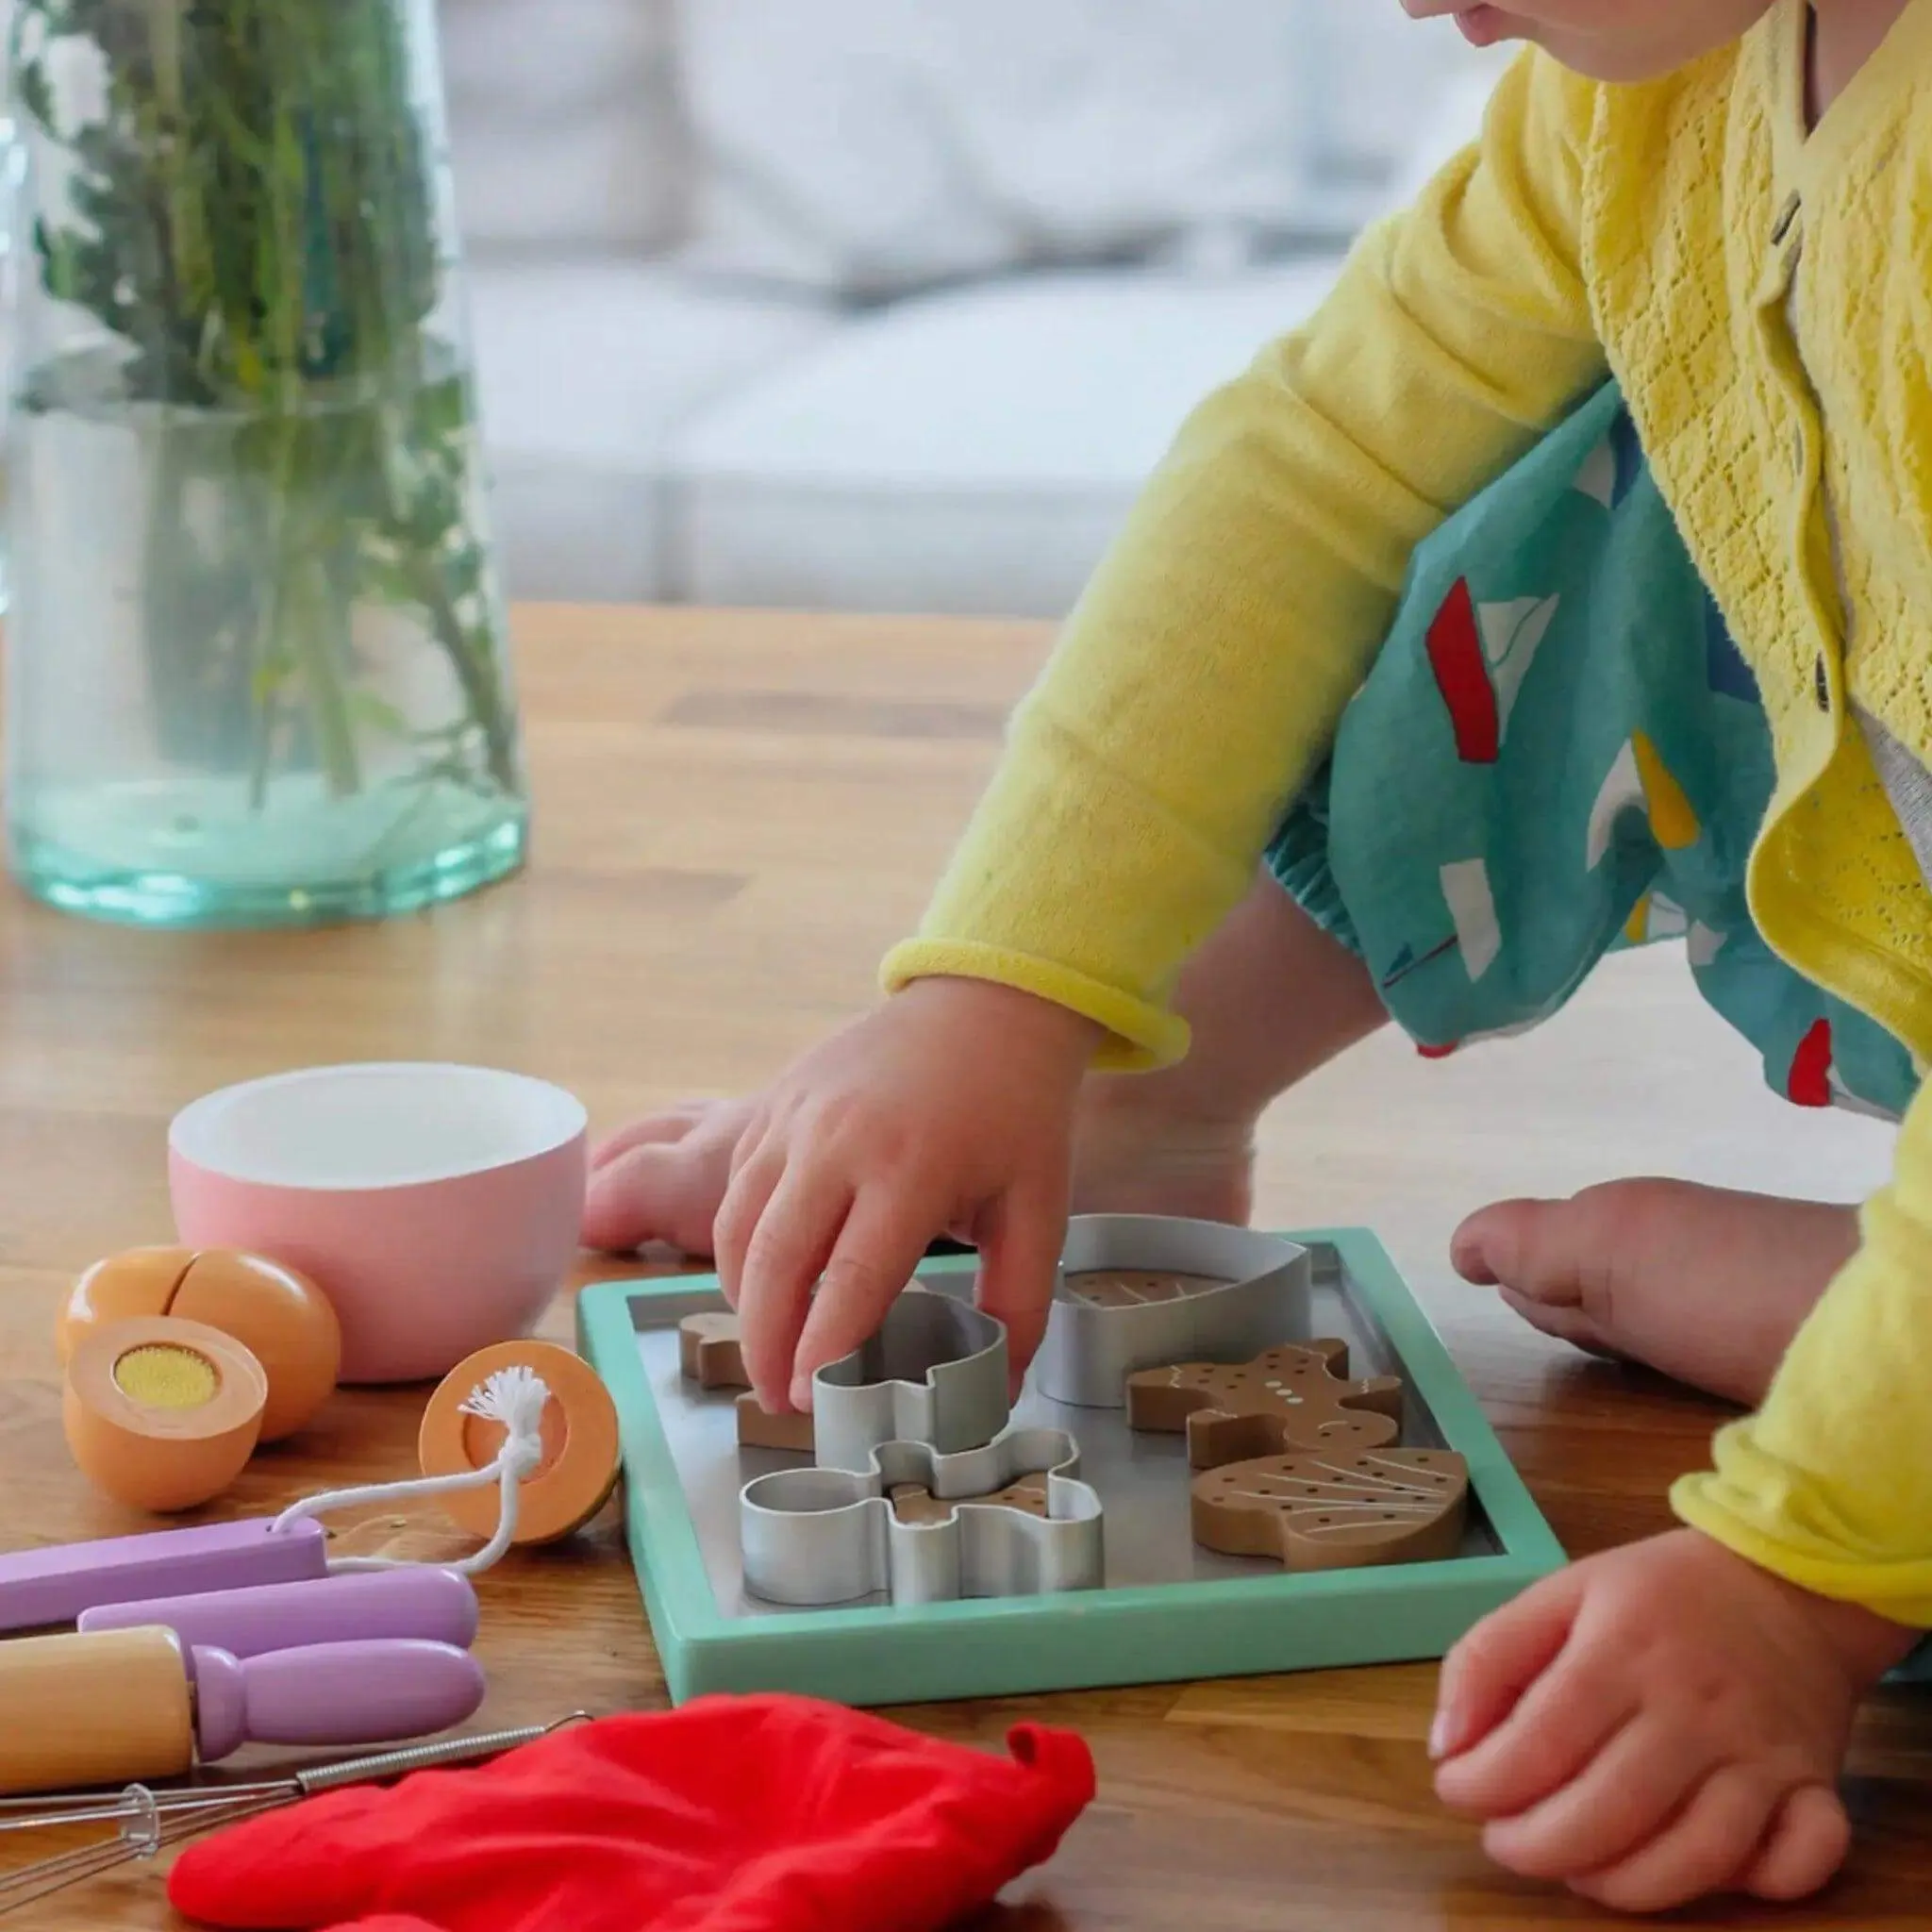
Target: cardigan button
1824, 685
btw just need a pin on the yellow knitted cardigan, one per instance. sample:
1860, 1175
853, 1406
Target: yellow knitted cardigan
1686, 236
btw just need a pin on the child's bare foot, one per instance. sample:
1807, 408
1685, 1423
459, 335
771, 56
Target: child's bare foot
1704, 1284
1134, 1155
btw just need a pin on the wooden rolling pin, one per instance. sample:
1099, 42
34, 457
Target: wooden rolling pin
121, 1706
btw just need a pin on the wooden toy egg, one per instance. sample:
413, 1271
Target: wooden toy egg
280, 1316
579, 1434
162, 1413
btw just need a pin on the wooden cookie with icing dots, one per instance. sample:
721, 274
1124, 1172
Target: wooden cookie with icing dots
1288, 1399
1136, 1288
1343, 1511
912, 1504
708, 1355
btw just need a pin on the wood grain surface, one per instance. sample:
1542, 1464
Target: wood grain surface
736, 815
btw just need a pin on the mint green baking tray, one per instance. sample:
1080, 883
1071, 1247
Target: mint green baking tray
1170, 1612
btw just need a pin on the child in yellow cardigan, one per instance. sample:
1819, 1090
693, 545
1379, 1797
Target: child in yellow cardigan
1711, 221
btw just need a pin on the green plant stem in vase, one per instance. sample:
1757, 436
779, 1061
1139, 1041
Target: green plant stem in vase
258, 672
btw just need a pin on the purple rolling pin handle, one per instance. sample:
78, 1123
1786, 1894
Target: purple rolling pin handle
333, 1693
419, 1600
43, 1589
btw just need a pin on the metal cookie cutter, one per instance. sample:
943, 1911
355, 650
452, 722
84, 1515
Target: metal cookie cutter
1206, 1293
816, 1537
934, 1373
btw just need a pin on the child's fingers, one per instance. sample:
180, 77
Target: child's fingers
1485, 1673
784, 1255
1697, 1853
1806, 1845
755, 1175
876, 1254
1631, 1786
1020, 1238
672, 1124
1551, 1732
663, 1190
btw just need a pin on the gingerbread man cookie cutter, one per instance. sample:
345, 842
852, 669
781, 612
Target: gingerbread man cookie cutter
934, 1373
813, 1538
1145, 1291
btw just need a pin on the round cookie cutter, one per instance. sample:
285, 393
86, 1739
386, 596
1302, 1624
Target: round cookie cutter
580, 1437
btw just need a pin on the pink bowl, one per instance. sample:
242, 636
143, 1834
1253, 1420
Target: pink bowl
438, 1206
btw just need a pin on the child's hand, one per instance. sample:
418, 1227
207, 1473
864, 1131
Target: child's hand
1661, 1722
948, 1112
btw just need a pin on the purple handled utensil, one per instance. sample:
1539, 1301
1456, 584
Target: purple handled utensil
430, 1605
41, 1590
331, 1693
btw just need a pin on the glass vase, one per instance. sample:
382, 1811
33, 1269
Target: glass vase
256, 669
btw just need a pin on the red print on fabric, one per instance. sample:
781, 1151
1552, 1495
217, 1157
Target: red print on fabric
1462, 675
1810, 1077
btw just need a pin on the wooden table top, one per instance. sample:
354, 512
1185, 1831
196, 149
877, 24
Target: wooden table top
736, 815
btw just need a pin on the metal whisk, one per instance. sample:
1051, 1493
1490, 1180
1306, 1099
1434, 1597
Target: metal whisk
147, 1822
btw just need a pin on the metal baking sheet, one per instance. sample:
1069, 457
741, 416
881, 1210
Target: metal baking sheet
1143, 1480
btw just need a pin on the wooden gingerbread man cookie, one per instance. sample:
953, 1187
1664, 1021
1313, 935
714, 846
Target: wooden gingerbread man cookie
1316, 1512
1288, 1399
708, 1355
912, 1504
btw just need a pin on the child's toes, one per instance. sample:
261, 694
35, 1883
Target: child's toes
1806, 1844
1699, 1852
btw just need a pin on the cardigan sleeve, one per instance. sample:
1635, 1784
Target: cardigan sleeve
1829, 1485
1199, 680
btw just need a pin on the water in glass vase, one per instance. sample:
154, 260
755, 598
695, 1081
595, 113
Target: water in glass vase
279, 694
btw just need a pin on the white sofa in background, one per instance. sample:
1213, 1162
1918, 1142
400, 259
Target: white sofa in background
892, 305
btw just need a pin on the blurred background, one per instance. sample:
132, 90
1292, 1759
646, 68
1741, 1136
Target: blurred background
892, 305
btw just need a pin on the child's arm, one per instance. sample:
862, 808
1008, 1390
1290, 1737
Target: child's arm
1189, 698
1829, 1485
1206, 669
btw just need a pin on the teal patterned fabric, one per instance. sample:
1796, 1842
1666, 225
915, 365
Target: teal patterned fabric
1557, 753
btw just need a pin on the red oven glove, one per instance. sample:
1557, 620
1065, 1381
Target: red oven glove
755, 1814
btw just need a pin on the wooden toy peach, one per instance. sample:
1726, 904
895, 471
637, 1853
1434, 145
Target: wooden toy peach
280, 1316
161, 1412
1288, 1398
708, 1355
1339, 1511
579, 1430
437, 1206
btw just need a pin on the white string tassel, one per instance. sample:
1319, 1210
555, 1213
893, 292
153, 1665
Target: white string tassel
514, 1397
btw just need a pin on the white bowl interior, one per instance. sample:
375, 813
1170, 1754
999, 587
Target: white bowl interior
387, 1126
